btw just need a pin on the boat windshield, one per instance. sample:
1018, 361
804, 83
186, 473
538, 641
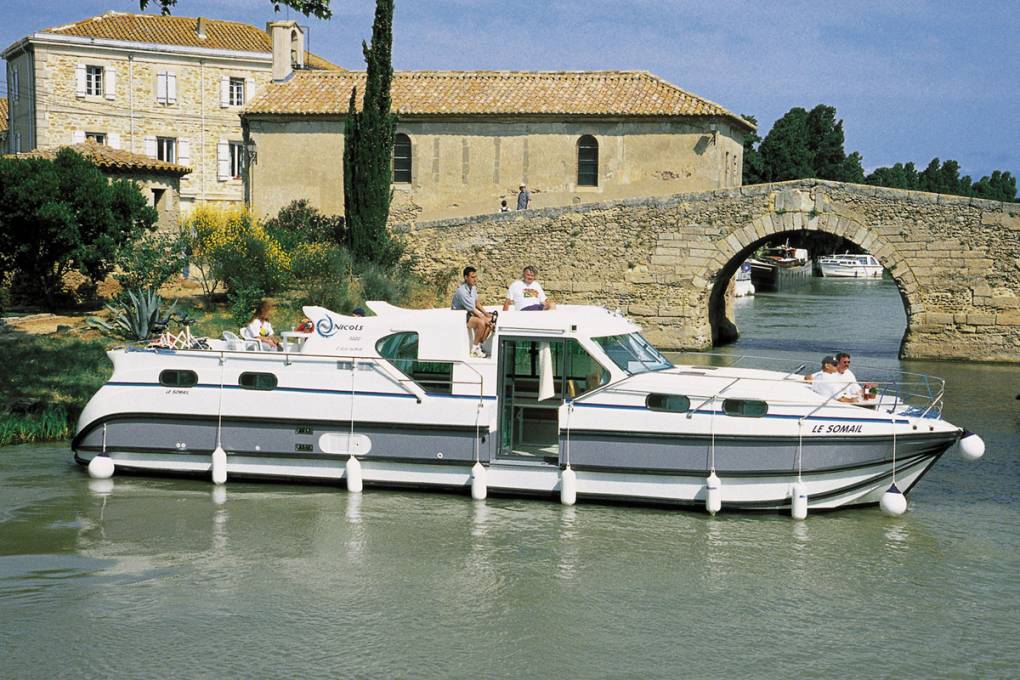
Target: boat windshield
632, 353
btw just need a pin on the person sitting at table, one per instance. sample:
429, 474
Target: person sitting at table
828, 383
259, 328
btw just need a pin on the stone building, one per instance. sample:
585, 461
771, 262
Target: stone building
169, 88
159, 181
467, 140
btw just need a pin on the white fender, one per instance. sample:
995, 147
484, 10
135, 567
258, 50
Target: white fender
568, 486
798, 501
713, 494
479, 488
972, 446
893, 502
353, 474
219, 465
101, 467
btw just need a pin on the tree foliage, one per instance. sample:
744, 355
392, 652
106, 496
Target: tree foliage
62, 215
943, 177
317, 8
802, 144
368, 149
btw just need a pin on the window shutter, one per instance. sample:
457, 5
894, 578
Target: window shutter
150, 147
79, 75
224, 92
110, 81
184, 152
17, 142
171, 88
223, 160
249, 90
114, 140
78, 137
161, 88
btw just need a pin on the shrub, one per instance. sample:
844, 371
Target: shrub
152, 261
229, 247
133, 317
325, 271
299, 223
379, 282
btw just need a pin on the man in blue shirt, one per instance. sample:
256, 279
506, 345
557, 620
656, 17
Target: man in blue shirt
523, 198
479, 321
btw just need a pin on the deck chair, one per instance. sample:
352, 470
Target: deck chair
236, 343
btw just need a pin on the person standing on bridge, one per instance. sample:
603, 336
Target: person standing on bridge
523, 198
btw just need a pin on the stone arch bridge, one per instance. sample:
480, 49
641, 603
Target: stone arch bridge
666, 261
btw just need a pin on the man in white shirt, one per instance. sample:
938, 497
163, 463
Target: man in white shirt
525, 294
846, 375
829, 383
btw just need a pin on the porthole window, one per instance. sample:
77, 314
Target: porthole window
176, 378
587, 161
402, 159
257, 381
745, 408
671, 403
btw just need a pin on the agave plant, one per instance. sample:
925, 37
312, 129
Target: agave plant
134, 316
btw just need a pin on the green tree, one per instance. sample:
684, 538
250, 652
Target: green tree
784, 151
368, 149
318, 8
899, 176
1000, 186
753, 172
62, 215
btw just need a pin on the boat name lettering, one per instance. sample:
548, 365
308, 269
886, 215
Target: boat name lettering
327, 327
838, 429
175, 391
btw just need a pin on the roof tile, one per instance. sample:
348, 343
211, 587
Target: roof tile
582, 93
111, 159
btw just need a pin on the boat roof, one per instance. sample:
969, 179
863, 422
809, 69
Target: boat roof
442, 333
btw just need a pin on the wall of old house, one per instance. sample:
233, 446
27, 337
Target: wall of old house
465, 167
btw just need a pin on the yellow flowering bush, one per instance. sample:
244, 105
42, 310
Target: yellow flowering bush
229, 247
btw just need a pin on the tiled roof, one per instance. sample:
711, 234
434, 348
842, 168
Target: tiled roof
175, 30
3, 114
108, 158
579, 93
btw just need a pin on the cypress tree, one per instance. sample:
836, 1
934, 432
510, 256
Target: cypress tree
368, 148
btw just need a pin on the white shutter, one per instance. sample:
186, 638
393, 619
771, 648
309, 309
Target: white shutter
17, 142
110, 81
171, 88
78, 137
223, 160
161, 87
224, 92
150, 147
79, 77
184, 152
249, 90
114, 140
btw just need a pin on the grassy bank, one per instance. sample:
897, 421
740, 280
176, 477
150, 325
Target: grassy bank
47, 380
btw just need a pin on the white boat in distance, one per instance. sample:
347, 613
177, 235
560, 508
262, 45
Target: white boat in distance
573, 402
743, 286
849, 266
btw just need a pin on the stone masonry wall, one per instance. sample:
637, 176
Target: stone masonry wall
665, 261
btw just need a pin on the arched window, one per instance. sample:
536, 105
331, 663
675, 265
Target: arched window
587, 162
402, 158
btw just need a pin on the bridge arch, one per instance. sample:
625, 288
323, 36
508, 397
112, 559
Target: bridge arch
764, 228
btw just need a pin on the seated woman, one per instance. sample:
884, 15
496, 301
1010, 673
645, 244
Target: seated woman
259, 328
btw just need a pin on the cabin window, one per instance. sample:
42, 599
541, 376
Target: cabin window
745, 408
401, 350
402, 159
670, 403
632, 353
176, 378
587, 161
257, 381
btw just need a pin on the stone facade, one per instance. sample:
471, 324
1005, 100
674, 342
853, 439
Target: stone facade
667, 261
166, 90
465, 167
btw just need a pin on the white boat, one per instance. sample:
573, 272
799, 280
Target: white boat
742, 284
572, 403
850, 266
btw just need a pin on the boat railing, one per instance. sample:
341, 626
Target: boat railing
918, 394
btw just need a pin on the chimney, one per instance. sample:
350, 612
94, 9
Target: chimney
288, 47
200, 28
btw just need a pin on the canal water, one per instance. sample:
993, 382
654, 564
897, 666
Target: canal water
159, 578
